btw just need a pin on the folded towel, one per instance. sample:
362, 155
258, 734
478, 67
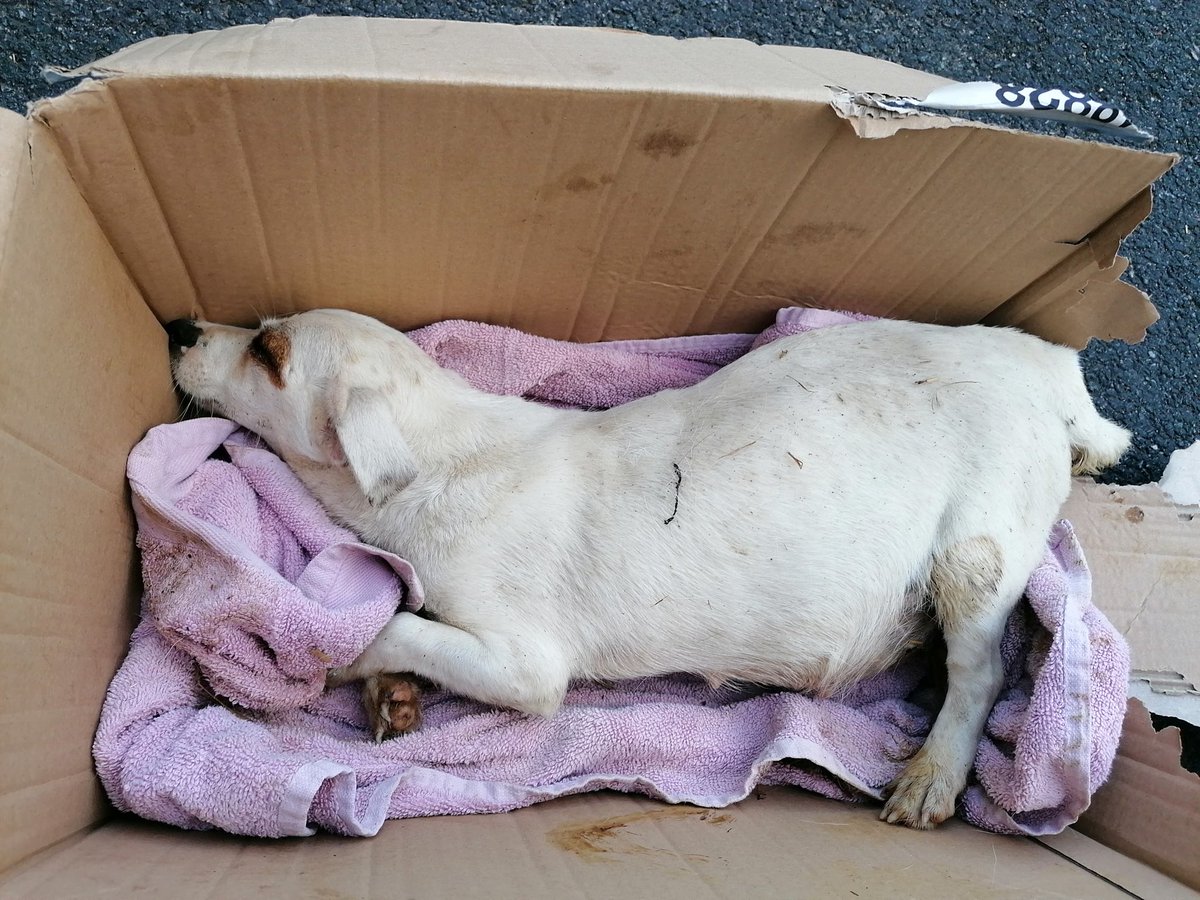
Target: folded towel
245, 572
168, 749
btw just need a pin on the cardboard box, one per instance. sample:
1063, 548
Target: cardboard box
581, 184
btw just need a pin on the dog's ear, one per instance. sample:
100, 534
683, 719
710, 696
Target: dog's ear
362, 434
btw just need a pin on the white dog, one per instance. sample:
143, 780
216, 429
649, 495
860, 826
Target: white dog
790, 521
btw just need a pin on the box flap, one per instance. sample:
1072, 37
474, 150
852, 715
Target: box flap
82, 375
1082, 296
578, 183
1144, 553
451, 52
1150, 807
597, 845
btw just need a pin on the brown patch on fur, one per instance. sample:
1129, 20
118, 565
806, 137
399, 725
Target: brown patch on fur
1135, 514
965, 578
271, 349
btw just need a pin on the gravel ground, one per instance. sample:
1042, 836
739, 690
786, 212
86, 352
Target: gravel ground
1144, 55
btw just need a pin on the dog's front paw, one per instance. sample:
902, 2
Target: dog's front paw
923, 796
393, 705
335, 678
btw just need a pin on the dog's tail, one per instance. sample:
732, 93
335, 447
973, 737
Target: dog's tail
1096, 443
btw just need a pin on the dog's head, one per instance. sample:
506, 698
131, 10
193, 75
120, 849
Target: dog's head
325, 388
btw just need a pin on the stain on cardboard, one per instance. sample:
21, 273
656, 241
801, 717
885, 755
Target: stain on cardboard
326, 893
670, 252
665, 142
575, 182
580, 183
610, 839
814, 233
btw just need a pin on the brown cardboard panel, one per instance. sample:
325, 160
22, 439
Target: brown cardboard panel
526, 55
118, 187
936, 231
576, 214
782, 845
84, 374
1107, 310
66, 612
1144, 553
1134, 876
1150, 807
1081, 297
579, 183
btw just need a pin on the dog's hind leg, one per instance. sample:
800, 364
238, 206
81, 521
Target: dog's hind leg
973, 592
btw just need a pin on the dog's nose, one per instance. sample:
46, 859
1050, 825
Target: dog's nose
183, 333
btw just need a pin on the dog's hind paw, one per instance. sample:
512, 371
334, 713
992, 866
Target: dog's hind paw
923, 796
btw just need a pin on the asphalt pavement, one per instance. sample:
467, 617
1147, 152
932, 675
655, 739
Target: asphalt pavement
1144, 56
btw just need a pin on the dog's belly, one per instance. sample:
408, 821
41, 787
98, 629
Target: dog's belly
750, 553
815, 642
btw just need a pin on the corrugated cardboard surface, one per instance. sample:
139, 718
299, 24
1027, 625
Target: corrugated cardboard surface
580, 184
1144, 553
83, 375
459, 53
1150, 807
786, 844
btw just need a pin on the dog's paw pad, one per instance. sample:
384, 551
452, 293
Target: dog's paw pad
923, 796
393, 705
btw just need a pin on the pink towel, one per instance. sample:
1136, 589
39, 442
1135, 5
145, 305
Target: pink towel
169, 750
592, 376
245, 572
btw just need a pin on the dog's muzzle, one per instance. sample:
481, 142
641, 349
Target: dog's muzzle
182, 333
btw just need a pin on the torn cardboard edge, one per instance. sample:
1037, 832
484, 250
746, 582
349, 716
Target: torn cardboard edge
1083, 297
1166, 694
874, 122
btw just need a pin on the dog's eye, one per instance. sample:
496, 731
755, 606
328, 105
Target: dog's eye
270, 349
